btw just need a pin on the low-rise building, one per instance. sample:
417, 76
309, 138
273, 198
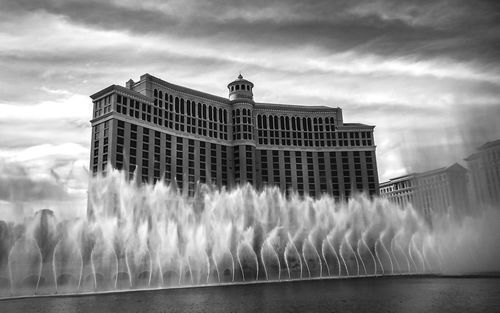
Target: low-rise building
484, 168
442, 191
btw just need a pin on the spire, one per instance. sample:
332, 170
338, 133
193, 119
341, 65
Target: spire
240, 76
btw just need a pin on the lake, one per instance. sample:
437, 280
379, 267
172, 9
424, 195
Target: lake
375, 294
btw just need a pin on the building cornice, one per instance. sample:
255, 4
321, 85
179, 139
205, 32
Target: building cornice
295, 108
122, 90
185, 90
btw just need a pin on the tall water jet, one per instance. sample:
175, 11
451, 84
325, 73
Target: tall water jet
68, 265
371, 254
358, 251
6, 242
324, 248
335, 254
143, 236
293, 259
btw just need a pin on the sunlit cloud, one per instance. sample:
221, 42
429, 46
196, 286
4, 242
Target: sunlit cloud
415, 70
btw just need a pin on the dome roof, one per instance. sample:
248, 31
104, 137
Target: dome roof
240, 80
240, 89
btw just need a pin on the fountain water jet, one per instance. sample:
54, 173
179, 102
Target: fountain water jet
360, 257
143, 236
335, 254
378, 257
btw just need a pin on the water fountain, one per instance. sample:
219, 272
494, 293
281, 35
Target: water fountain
151, 236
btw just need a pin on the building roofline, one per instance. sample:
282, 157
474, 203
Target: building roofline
102, 92
490, 144
258, 105
187, 90
472, 157
454, 166
119, 88
293, 107
402, 176
386, 183
357, 125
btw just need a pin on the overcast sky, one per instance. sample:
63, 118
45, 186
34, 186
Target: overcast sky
426, 73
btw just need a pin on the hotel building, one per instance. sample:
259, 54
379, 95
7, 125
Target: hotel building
441, 191
164, 131
484, 168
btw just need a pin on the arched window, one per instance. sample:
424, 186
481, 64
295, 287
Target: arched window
304, 123
320, 122
220, 115
276, 125
204, 111
282, 121
210, 112
166, 96
298, 124
259, 121
271, 122
188, 107
182, 106
155, 92
176, 105
199, 111
232, 88
237, 87
287, 123
193, 108
171, 98
293, 123
225, 116
237, 113
265, 121
160, 94
248, 87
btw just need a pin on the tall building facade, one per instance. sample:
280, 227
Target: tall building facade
484, 167
442, 191
164, 131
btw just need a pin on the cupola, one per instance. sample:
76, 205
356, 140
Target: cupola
240, 89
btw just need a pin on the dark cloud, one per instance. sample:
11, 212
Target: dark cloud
460, 29
274, 42
84, 71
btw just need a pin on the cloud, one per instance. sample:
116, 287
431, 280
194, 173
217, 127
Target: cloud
420, 71
48, 122
22, 193
396, 28
17, 186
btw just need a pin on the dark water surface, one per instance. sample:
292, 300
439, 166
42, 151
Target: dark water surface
383, 294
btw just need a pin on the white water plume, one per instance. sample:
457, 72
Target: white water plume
152, 236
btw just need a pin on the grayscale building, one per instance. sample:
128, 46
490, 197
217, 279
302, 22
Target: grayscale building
484, 167
441, 191
164, 131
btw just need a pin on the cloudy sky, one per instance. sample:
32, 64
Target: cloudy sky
426, 73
